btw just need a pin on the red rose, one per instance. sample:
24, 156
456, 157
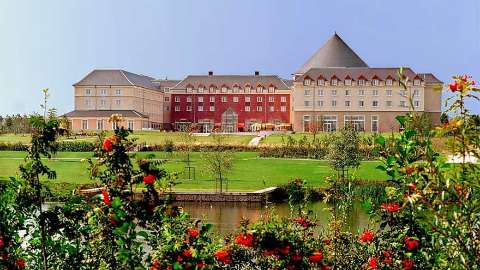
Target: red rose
296, 257
106, 198
149, 179
107, 145
244, 239
20, 263
187, 253
373, 263
453, 87
155, 265
407, 264
223, 256
366, 236
391, 207
316, 257
284, 250
193, 232
201, 265
411, 243
2, 243
268, 252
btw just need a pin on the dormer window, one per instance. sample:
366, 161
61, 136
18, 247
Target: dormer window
334, 82
271, 89
235, 89
348, 82
361, 82
307, 82
248, 89
200, 89
416, 82
321, 82
376, 82
189, 89
259, 89
224, 89
212, 89
389, 82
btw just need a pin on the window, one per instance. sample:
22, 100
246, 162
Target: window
200, 89
403, 93
388, 93
87, 102
320, 103
402, 103
167, 108
189, 89
212, 108
375, 93
212, 99
416, 93
189, 99
88, 92
235, 89
114, 125
130, 124
271, 108
361, 92
224, 99
376, 82
347, 103
361, 82
259, 108
103, 102
334, 92
271, 89
235, 99
259, 99
283, 99
247, 89
84, 124
200, 108
306, 92
306, 82
166, 89
259, 89
361, 103
99, 124
320, 92
103, 92
375, 103
117, 102
200, 99
389, 82
321, 82
334, 103
247, 99
177, 108
416, 103
189, 108
329, 122
166, 99
177, 99
348, 82
347, 93
271, 99
211, 89
306, 123
334, 82
247, 108
374, 123
388, 103
283, 108
224, 89
307, 103
355, 121
118, 92
416, 82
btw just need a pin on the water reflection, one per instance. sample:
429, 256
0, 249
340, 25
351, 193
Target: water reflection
226, 216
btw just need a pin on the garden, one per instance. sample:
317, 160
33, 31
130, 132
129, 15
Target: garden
427, 216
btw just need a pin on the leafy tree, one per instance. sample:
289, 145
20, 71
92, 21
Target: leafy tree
218, 163
345, 151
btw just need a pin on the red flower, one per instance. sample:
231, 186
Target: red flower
244, 239
5, 256
112, 219
149, 179
2, 243
411, 243
187, 253
303, 222
367, 236
296, 257
407, 264
409, 170
373, 263
201, 265
316, 257
155, 265
325, 267
453, 87
268, 253
412, 186
107, 145
284, 250
106, 198
20, 263
327, 242
391, 207
223, 256
193, 232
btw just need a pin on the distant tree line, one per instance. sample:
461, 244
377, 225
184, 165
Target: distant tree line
15, 124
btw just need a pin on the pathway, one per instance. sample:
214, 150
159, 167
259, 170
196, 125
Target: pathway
256, 140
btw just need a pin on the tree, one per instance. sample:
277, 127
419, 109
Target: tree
345, 151
218, 163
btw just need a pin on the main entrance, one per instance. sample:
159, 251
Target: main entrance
229, 121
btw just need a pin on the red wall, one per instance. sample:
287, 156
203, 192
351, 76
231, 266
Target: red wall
264, 116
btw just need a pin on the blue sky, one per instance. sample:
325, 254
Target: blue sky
53, 44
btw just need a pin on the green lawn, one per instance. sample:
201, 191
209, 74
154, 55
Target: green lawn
250, 172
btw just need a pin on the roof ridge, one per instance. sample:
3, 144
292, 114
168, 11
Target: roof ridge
123, 73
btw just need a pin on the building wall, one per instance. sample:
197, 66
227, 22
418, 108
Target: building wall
77, 123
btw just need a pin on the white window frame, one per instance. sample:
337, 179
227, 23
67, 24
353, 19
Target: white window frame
200, 99
212, 99
373, 103
374, 120
247, 108
283, 99
247, 99
333, 82
84, 124
259, 99
320, 92
334, 103
177, 98
118, 92
130, 124
212, 108
259, 108
99, 124
177, 108
235, 99
307, 82
200, 108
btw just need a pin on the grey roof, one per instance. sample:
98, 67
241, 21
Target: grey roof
166, 83
289, 83
119, 77
105, 113
429, 78
356, 73
334, 53
232, 80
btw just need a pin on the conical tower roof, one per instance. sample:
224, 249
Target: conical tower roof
334, 53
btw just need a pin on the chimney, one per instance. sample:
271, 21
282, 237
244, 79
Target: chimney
257, 73
210, 73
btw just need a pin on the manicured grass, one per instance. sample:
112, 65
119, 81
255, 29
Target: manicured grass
279, 138
250, 172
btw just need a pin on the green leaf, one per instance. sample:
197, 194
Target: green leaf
116, 203
380, 140
401, 120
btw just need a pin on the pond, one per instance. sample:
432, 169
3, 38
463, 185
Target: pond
226, 217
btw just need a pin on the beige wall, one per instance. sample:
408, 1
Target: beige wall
77, 123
